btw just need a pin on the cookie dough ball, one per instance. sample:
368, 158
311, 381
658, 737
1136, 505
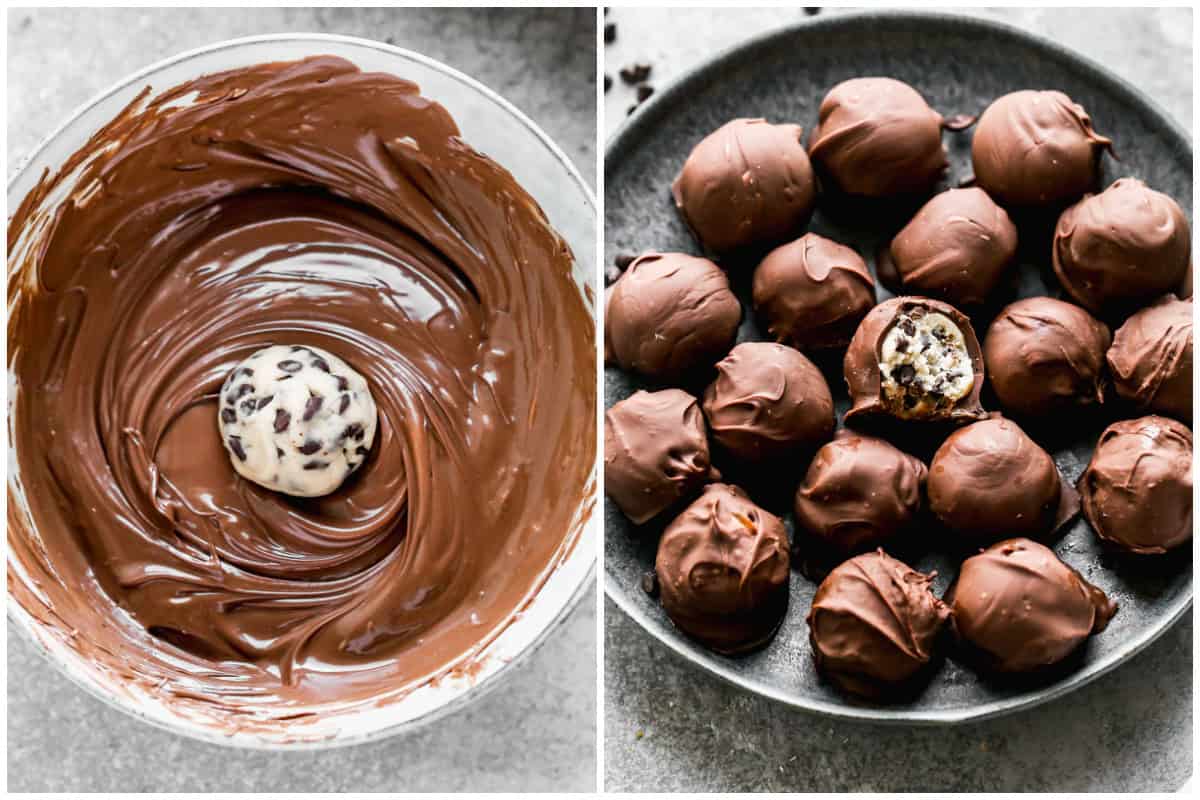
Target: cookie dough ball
670, 314
812, 293
1045, 356
1022, 609
1122, 248
747, 184
1151, 358
296, 419
1137, 490
877, 137
1036, 148
768, 400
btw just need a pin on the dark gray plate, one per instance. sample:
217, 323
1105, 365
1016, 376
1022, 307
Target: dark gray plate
959, 65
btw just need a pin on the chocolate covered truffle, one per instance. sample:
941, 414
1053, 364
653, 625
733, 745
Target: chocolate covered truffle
990, 481
914, 358
1045, 356
1151, 358
655, 452
859, 492
1137, 490
747, 184
956, 248
768, 400
877, 137
670, 314
1021, 609
722, 570
812, 293
1122, 248
874, 624
1036, 148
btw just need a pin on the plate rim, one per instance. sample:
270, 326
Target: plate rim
642, 122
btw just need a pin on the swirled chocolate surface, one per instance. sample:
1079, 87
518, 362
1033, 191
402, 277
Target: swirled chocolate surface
304, 203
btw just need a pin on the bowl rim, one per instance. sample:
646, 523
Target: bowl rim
639, 125
21, 620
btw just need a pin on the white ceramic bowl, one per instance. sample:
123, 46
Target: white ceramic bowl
489, 124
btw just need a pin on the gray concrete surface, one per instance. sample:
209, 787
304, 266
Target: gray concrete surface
670, 727
534, 732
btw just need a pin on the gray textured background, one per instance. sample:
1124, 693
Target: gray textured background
671, 727
536, 731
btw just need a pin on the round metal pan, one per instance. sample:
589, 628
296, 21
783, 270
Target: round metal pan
960, 65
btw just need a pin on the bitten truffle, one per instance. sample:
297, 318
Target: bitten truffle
1137, 490
812, 293
877, 137
1036, 148
874, 624
670, 314
1151, 358
748, 184
860, 492
296, 419
1045, 356
722, 570
768, 400
956, 248
1022, 609
655, 452
1122, 248
914, 358
990, 481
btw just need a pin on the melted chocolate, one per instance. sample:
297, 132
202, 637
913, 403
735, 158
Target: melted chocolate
1151, 358
309, 203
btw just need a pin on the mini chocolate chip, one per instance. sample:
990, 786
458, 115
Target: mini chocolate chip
320, 363
362, 451
607, 81
910, 401
354, 431
296, 348
644, 91
310, 465
926, 343
902, 345
249, 406
249, 373
290, 365
283, 378
310, 446
312, 406
228, 415
235, 444
282, 420
908, 327
610, 32
905, 374
279, 452
344, 404
650, 583
631, 109
263, 402
940, 334
343, 384
635, 73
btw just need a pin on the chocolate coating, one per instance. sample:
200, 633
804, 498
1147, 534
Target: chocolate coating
655, 452
1122, 248
956, 248
670, 314
1151, 358
747, 184
874, 624
1022, 609
877, 137
1036, 148
722, 569
861, 367
1137, 489
1045, 356
990, 481
859, 492
768, 400
812, 293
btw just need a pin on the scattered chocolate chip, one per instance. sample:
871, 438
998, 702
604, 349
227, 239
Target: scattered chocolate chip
311, 465
296, 348
631, 109
345, 403
290, 365
320, 363
283, 378
279, 452
249, 406
908, 327
310, 446
362, 451
902, 345
610, 32
282, 420
228, 415
607, 81
940, 334
644, 91
343, 384
354, 431
263, 402
235, 444
926, 342
635, 73
650, 583
313, 406
249, 373
905, 374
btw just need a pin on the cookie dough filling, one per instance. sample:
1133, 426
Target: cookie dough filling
924, 364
